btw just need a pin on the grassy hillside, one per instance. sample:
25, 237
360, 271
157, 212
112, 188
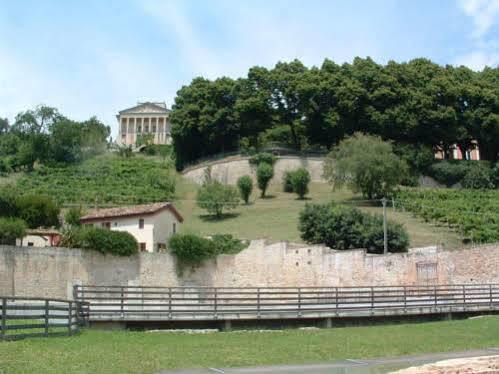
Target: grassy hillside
110, 180
103, 180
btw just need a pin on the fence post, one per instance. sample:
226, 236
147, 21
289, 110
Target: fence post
4, 316
435, 294
336, 300
122, 301
215, 311
169, 302
46, 317
299, 302
258, 302
405, 300
490, 293
464, 297
372, 300
70, 318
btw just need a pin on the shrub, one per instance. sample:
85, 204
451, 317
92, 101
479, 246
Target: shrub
105, 241
342, 228
495, 175
4, 167
448, 172
262, 157
264, 174
245, 185
11, 229
300, 179
366, 164
216, 197
8, 201
478, 176
73, 215
38, 210
191, 249
287, 184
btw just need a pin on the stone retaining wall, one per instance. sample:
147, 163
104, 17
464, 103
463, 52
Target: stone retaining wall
51, 272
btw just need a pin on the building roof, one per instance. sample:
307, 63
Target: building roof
131, 210
42, 231
147, 108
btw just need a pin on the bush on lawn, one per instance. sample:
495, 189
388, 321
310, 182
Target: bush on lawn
11, 229
245, 185
300, 179
262, 157
478, 177
120, 243
342, 228
264, 174
216, 197
287, 184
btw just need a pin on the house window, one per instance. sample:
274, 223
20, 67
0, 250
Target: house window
106, 225
31, 244
142, 247
141, 223
174, 227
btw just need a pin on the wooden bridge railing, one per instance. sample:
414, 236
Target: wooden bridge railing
191, 303
22, 317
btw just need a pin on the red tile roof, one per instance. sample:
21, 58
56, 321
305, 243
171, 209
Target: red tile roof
131, 210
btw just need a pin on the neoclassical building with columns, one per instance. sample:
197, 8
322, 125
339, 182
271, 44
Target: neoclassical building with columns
143, 119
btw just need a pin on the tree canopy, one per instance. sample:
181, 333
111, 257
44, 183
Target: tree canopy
416, 102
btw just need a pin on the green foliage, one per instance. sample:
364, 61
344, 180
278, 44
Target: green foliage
102, 180
365, 164
287, 184
264, 173
300, 178
478, 177
495, 175
416, 102
125, 151
8, 201
120, 243
216, 197
474, 213
342, 228
262, 157
192, 250
245, 185
73, 215
11, 229
38, 210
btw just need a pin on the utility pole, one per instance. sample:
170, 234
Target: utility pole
385, 235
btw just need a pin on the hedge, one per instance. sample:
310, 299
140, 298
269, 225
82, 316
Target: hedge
105, 241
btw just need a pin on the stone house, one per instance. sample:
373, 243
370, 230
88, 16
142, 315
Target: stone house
40, 238
151, 224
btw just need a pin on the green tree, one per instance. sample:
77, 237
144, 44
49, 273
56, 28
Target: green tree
245, 185
38, 210
365, 164
300, 180
4, 125
264, 173
73, 215
11, 229
216, 197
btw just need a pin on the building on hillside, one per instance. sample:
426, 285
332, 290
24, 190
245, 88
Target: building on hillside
40, 238
144, 119
151, 224
456, 154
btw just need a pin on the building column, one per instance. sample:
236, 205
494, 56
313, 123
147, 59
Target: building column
127, 132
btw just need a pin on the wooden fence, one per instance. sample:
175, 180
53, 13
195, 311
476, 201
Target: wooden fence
23, 317
121, 303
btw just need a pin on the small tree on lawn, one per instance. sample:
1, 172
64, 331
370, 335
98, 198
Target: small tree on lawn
245, 185
365, 164
216, 197
264, 174
300, 179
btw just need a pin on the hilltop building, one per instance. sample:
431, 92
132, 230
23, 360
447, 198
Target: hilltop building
151, 224
144, 119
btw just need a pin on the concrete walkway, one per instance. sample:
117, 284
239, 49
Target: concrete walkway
347, 366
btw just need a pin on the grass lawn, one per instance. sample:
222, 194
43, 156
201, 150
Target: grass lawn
95, 351
276, 217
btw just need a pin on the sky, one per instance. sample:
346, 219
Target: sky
98, 57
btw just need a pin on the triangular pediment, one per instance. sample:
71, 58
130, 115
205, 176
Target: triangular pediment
146, 108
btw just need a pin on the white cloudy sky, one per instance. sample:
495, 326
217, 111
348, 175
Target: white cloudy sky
97, 57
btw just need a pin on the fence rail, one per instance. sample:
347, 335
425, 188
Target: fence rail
22, 317
211, 303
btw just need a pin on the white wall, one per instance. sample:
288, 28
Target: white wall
157, 227
37, 240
